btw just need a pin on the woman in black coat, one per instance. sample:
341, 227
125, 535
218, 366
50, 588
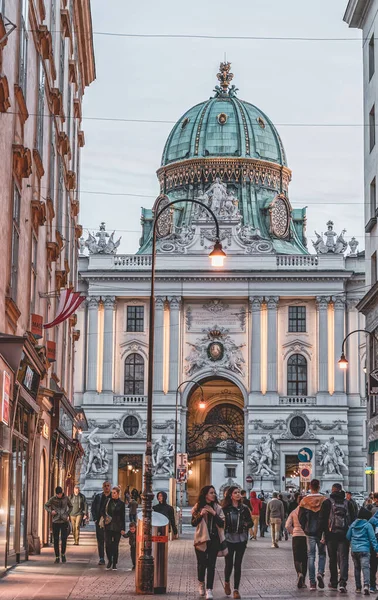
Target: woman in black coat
114, 522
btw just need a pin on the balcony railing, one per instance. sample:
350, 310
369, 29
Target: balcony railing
293, 261
129, 399
136, 261
297, 400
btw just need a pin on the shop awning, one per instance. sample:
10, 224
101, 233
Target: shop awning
373, 446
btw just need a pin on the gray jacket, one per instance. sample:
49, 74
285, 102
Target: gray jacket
62, 507
275, 510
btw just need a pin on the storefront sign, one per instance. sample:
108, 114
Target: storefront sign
50, 351
46, 431
36, 325
28, 377
369, 471
65, 422
5, 399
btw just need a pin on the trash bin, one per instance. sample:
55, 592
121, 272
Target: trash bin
160, 527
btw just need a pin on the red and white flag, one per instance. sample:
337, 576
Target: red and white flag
69, 302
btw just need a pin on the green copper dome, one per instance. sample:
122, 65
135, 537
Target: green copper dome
224, 126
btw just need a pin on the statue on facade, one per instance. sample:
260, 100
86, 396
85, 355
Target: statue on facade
263, 456
224, 204
332, 457
97, 461
333, 243
353, 246
104, 244
163, 456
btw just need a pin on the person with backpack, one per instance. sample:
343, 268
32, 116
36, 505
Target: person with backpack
373, 556
336, 516
309, 516
362, 538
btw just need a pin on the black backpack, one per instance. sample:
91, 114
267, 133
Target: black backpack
339, 519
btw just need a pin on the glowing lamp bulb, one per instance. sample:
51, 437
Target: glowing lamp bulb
217, 255
202, 404
343, 362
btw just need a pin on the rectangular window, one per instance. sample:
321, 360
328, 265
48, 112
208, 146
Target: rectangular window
231, 472
61, 65
297, 318
373, 198
15, 243
40, 113
34, 274
53, 25
23, 58
372, 128
52, 164
135, 318
371, 57
373, 268
59, 209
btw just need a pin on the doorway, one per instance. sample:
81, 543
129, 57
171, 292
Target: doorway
292, 480
130, 469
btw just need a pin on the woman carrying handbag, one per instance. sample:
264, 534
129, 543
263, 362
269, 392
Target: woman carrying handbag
114, 524
209, 541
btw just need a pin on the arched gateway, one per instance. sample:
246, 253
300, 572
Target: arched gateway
215, 436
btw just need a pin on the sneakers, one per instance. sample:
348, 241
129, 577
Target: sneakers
332, 587
312, 587
64, 560
300, 581
227, 588
201, 589
114, 567
358, 590
320, 579
109, 565
57, 559
273, 545
366, 590
250, 537
101, 561
276, 545
236, 595
373, 590
209, 595
342, 588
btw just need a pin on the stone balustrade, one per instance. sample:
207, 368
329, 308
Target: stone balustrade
129, 399
297, 400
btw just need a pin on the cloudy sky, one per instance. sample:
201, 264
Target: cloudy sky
312, 91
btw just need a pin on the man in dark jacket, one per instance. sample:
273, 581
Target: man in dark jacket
166, 509
309, 515
335, 517
78, 513
98, 507
59, 506
244, 499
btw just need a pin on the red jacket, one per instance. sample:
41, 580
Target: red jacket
256, 504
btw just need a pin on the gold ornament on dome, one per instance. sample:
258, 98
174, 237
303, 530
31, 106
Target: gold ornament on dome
224, 76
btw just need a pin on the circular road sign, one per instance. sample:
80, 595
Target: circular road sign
305, 472
249, 479
305, 455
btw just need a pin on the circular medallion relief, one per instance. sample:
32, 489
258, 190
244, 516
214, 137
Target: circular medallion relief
280, 217
164, 224
215, 351
222, 118
131, 425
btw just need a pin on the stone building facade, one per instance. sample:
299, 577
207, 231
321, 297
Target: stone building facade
262, 335
46, 62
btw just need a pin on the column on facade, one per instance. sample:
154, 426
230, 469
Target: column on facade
322, 307
339, 334
272, 305
92, 302
353, 371
107, 353
159, 344
174, 342
255, 369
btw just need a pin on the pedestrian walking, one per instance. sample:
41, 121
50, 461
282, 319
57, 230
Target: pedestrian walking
293, 504
59, 506
274, 518
133, 507
78, 513
309, 519
131, 535
283, 532
299, 545
97, 509
354, 505
245, 500
362, 538
126, 495
238, 521
263, 525
114, 525
336, 514
255, 512
373, 556
167, 510
209, 539
374, 508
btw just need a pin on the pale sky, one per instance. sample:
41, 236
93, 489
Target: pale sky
293, 82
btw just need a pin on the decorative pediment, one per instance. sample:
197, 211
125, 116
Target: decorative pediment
134, 346
72, 69
77, 108
81, 138
75, 207
297, 347
4, 94
22, 161
60, 278
66, 23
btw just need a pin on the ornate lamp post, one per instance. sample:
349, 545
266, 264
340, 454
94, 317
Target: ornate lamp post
145, 580
343, 362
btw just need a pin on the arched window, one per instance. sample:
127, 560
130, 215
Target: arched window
134, 375
297, 375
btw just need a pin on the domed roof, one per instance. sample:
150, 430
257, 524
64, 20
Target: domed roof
224, 126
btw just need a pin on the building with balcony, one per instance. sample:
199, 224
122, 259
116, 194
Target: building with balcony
46, 62
262, 335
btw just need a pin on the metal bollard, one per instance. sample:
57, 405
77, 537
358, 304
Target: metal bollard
160, 528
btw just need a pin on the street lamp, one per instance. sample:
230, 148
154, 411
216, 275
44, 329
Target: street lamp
343, 361
145, 572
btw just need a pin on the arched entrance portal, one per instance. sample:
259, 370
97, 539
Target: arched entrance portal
215, 436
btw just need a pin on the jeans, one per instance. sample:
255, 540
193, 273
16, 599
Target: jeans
100, 535
112, 539
300, 554
76, 522
255, 519
338, 554
275, 527
133, 554
373, 569
132, 518
206, 563
313, 543
234, 560
62, 529
361, 561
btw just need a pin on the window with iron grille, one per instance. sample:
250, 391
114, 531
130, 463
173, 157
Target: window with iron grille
131, 425
297, 426
297, 318
231, 472
297, 375
134, 375
135, 318
15, 242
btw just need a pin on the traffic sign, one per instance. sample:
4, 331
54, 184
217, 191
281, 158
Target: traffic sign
305, 465
182, 475
305, 474
249, 479
182, 460
373, 383
305, 454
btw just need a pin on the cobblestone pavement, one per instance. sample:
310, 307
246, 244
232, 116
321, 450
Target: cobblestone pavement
267, 573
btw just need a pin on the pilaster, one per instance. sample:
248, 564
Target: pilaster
339, 334
107, 355
255, 360
272, 306
322, 307
174, 341
159, 343
93, 302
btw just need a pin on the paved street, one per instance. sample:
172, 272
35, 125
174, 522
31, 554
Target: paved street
267, 573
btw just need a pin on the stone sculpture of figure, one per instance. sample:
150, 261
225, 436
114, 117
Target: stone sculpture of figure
332, 457
353, 246
263, 455
218, 195
111, 246
82, 246
330, 237
102, 235
319, 245
341, 245
163, 456
97, 455
196, 359
91, 243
